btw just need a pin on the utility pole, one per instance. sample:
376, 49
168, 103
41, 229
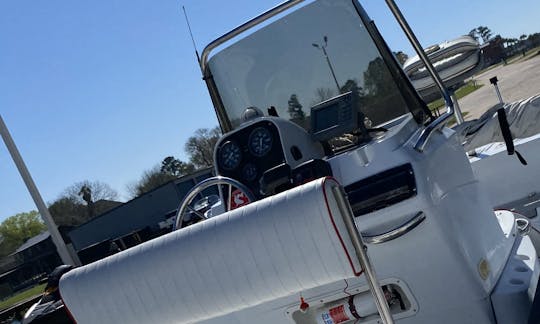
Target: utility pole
323, 48
31, 186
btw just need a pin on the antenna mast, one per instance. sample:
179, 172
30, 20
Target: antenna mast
191, 34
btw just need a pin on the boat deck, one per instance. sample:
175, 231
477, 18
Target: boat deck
528, 206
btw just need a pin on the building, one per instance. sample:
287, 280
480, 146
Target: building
32, 261
138, 220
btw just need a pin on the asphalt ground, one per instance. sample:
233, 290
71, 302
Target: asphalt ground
518, 80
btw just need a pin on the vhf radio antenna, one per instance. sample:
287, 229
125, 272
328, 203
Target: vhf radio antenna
191, 34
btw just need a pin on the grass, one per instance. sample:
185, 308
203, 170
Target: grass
452, 120
469, 87
36, 290
519, 57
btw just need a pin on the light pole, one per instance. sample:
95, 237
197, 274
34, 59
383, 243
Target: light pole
323, 48
40, 204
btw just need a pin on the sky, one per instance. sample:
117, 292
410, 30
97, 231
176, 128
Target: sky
104, 90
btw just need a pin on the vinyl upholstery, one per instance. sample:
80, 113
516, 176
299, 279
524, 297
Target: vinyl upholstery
269, 249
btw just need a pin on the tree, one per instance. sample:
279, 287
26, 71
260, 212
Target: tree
200, 147
150, 180
295, 109
81, 202
16, 229
473, 34
401, 57
323, 94
170, 169
377, 80
67, 211
352, 85
534, 39
510, 42
173, 166
482, 32
90, 191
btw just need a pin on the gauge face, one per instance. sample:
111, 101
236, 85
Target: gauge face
230, 156
260, 141
249, 172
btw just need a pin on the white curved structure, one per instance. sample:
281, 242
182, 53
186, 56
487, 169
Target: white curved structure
453, 60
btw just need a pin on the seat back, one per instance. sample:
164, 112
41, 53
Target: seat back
269, 249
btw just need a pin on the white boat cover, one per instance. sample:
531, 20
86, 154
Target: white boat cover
269, 249
522, 115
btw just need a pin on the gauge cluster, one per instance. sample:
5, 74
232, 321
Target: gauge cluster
247, 153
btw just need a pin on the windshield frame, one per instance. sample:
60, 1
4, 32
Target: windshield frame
417, 107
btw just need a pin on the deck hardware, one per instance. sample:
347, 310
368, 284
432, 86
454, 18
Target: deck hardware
396, 232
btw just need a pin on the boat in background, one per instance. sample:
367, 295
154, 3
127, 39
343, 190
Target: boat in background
454, 60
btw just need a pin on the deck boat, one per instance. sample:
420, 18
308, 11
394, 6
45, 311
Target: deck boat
343, 200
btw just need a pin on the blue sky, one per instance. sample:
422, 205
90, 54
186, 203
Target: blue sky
102, 90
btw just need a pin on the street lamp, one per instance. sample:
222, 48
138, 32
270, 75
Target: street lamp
323, 48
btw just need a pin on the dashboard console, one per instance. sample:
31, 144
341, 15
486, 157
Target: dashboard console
261, 146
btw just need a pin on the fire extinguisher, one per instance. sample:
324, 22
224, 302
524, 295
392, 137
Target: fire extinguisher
352, 308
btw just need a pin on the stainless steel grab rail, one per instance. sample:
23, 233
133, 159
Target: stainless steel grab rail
361, 253
441, 120
396, 232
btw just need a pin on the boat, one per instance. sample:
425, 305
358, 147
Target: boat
454, 61
342, 198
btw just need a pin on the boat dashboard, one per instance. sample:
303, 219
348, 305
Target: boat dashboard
266, 154
271, 155
246, 154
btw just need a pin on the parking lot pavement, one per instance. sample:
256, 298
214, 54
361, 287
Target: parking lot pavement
517, 81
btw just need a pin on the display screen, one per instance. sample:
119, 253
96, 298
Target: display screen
326, 118
334, 117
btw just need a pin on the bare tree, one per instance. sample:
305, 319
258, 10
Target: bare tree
200, 146
82, 201
323, 94
87, 191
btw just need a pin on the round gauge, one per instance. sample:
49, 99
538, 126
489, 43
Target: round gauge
249, 172
260, 141
230, 156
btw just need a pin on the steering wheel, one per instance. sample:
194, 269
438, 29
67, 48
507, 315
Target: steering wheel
205, 184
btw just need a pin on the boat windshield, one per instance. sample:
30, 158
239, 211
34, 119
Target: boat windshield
308, 56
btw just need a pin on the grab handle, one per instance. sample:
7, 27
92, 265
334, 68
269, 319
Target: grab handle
396, 232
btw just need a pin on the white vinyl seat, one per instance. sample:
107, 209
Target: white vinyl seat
272, 248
